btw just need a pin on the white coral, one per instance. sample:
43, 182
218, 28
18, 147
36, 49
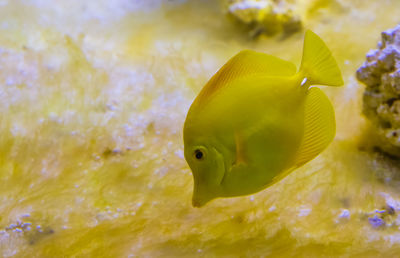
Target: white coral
265, 16
381, 75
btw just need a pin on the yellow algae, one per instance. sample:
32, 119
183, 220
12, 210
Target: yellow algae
91, 152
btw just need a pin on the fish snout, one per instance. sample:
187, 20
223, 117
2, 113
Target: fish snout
199, 200
197, 203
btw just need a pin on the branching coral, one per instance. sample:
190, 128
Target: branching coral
381, 75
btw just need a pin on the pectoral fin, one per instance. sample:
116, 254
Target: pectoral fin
240, 149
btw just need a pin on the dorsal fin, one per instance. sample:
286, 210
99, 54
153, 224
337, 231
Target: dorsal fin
246, 63
319, 126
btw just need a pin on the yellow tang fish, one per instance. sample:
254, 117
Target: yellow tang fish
257, 120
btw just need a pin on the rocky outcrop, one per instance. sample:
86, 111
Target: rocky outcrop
265, 16
381, 102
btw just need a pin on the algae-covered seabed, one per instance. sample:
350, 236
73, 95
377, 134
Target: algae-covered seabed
93, 95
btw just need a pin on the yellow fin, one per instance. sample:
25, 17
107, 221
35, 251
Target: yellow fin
318, 64
319, 126
246, 63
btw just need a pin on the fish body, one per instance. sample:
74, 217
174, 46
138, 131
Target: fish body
257, 120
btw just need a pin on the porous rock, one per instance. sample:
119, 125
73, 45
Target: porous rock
265, 16
381, 101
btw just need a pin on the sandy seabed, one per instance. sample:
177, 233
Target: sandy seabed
93, 95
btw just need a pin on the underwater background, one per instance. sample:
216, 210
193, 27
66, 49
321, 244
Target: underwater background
93, 96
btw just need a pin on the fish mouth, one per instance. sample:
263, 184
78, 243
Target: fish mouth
197, 204
199, 201
201, 195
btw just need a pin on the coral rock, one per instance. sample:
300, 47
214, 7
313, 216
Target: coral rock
265, 16
381, 75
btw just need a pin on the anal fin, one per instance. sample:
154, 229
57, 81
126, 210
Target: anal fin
319, 126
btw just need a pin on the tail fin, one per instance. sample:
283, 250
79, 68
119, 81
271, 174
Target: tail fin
318, 64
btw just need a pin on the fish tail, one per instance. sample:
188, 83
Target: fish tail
318, 65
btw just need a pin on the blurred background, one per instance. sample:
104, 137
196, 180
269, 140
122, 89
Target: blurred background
93, 96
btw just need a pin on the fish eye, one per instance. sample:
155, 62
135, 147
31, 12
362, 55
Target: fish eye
199, 155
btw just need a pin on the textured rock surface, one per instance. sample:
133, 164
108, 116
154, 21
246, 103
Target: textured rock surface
265, 16
381, 75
